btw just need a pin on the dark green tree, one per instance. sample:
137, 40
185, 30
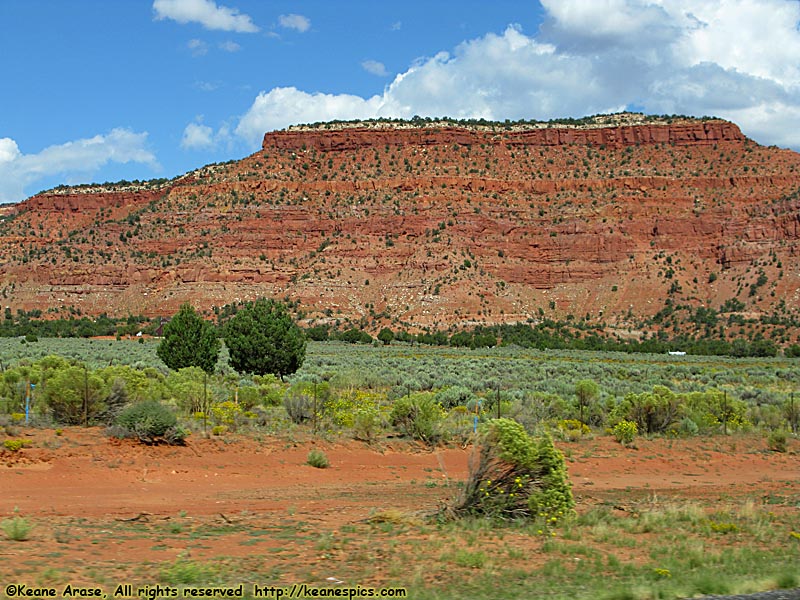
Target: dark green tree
262, 338
189, 341
386, 335
354, 335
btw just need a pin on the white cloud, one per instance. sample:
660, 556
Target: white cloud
205, 12
375, 67
766, 122
8, 150
197, 136
206, 86
79, 158
736, 59
498, 76
757, 37
197, 47
603, 21
296, 22
279, 107
230, 46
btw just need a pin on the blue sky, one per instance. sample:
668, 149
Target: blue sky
99, 90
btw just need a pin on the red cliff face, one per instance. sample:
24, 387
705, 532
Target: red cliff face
700, 133
431, 226
74, 203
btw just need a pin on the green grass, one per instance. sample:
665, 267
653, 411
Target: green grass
188, 572
476, 559
666, 551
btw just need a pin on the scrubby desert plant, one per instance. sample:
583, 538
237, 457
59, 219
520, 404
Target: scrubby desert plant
625, 432
572, 429
419, 416
715, 411
299, 406
15, 445
75, 395
342, 408
688, 427
306, 400
227, 413
515, 476
367, 423
115, 401
151, 422
776, 441
653, 412
316, 458
17, 528
455, 396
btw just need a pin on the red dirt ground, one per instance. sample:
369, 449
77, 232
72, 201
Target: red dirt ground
86, 485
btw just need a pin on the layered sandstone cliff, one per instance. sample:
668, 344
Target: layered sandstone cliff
693, 133
431, 226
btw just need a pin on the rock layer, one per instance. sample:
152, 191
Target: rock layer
695, 133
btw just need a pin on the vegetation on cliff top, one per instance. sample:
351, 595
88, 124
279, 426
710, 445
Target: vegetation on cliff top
598, 120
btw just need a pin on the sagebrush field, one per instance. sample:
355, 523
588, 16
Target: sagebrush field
708, 505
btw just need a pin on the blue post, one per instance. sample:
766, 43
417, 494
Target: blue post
28, 401
478, 407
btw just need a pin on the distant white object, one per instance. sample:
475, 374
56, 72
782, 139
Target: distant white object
139, 334
677, 353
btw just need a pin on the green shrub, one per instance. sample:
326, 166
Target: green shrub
516, 476
316, 458
151, 422
653, 412
248, 396
776, 441
186, 572
302, 397
572, 429
554, 496
787, 580
116, 401
625, 432
367, 423
17, 528
355, 336
342, 408
419, 416
74, 395
227, 413
715, 411
299, 404
688, 427
455, 396
15, 445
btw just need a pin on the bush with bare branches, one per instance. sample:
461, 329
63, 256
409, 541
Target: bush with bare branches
514, 476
